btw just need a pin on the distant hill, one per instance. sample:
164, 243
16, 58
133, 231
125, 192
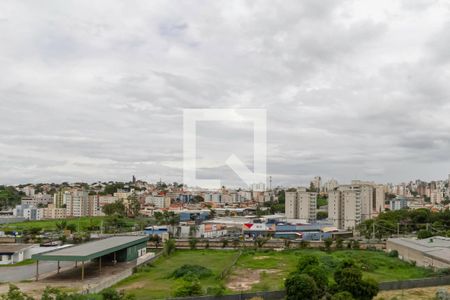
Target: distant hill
9, 197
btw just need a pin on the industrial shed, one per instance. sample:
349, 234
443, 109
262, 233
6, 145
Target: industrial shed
115, 249
432, 252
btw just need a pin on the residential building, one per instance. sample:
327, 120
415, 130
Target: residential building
158, 201
301, 205
77, 203
53, 212
290, 205
94, 208
108, 199
37, 199
29, 212
398, 203
58, 199
349, 205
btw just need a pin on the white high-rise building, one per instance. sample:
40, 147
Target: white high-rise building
301, 205
350, 205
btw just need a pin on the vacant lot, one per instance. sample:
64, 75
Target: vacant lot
155, 282
258, 270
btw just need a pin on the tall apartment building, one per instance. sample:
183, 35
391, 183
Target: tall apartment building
58, 199
301, 205
350, 205
94, 207
77, 203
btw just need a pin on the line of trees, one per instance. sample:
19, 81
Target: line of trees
406, 221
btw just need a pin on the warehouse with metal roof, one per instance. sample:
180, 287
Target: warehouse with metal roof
114, 249
432, 252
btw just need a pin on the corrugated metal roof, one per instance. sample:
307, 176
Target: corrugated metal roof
92, 249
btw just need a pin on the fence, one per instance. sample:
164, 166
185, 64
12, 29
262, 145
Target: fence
275, 295
384, 286
414, 283
228, 269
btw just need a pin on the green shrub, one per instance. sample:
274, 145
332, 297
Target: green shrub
306, 261
393, 253
189, 288
191, 270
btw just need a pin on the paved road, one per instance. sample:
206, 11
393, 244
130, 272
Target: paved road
15, 274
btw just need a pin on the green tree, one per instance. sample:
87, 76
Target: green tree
328, 243
423, 234
169, 247
301, 287
193, 243
307, 261
260, 241
321, 215
116, 208
348, 278
318, 273
134, 205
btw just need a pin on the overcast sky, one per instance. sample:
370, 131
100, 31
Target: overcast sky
95, 90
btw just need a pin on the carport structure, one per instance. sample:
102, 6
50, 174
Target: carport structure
117, 248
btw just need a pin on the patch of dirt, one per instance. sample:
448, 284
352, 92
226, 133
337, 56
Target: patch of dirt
243, 279
134, 286
261, 257
412, 294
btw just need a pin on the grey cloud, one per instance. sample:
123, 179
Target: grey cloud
96, 91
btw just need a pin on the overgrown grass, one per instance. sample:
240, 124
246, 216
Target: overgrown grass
375, 264
155, 282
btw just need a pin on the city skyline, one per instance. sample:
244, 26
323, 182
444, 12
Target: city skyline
96, 91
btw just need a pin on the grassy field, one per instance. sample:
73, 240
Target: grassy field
257, 271
275, 266
155, 282
49, 225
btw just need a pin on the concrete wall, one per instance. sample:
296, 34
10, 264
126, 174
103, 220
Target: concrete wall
121, 276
